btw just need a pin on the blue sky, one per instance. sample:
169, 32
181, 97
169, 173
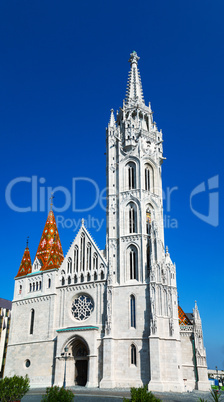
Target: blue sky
64, 65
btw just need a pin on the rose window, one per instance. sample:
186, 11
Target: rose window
82, 307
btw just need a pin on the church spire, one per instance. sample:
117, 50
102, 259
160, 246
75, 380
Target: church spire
134, 92
25, 266
112, 119
49, 251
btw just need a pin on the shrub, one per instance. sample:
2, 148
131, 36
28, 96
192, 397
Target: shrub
141, 395
215, 395
56, 394
14, 388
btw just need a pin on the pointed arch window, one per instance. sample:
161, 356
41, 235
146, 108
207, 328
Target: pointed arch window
133, 262
95, 261
131, 175
89, 257
49, 282
32, 321
133, 354
148, 221
147, 178
82, 253
132, 311
76, 259
132, 218
69, 265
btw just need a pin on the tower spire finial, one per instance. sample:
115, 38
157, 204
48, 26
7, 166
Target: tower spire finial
27, 241
134, 92
134, 58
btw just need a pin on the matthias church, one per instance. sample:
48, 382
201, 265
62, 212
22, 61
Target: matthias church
112, 315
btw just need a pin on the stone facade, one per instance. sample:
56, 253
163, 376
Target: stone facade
110, 318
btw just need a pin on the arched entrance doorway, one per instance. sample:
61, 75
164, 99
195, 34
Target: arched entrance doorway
80, 354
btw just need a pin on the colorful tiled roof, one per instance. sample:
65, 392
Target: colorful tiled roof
25, 266
49, 251
183, 319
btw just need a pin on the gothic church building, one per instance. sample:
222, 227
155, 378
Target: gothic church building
113, 315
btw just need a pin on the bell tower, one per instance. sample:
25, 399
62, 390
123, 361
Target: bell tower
142, 328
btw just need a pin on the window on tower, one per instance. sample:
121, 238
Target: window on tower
148, 221
133, 354
132, 311
147, 178
132, 218
132, 257
32, 321
131, 170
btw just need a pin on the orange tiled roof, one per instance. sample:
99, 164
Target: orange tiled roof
25, 266
183, 319
49, 250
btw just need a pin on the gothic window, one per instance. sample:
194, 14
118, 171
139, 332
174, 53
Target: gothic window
32, 321
95, 261
76, 258
132, 218
63, 281
69, 265
88, 256
49, 282
132, 305
95, 276
20, 289
147, 178
36, 285
75, 279
133, 354
82, 253
131, 175
69, 280
132, 259
102, 275
30, 287
33, 286
148, 221
82, 278
88, 277
40, 285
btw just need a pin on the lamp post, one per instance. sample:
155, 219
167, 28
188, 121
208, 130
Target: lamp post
65, 355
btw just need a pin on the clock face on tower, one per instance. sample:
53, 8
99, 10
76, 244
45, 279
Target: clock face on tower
82, 307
